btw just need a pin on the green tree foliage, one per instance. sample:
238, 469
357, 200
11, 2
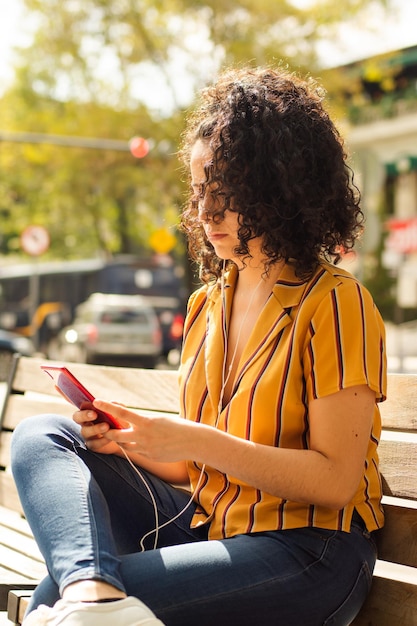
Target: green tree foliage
90, 200
120, 68
107, 50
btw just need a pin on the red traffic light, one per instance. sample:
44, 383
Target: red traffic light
139, 147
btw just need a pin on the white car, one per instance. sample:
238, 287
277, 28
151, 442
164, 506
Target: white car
112, 328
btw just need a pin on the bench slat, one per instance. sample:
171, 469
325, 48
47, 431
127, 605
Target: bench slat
22, 565
398, 464
399, 409
5, 449
22, 406
398, 540
8, 493
16, 604
20, 541
141, 388
20, 544
21, 562
390, 603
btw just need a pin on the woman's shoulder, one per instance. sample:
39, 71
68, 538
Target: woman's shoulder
335, 282
200, 295
335, 275
343, 289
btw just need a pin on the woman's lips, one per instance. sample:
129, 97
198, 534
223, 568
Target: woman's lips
215, 236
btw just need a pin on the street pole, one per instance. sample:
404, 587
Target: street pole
137, 146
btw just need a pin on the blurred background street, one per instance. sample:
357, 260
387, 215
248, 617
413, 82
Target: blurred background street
402, 347
93, 99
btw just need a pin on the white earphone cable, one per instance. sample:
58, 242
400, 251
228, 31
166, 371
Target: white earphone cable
158, 526
225, 378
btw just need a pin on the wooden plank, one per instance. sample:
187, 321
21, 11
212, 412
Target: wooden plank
397, 572
142, 388
391, 602
20, 557
16, 522
18, 580
16, 605
21, 565
16, 601
399, 410
11, 519
5, 449
8, 493
22, 406
23, 543
398, 464
398, 540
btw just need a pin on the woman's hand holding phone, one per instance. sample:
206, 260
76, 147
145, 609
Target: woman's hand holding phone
156, 443
94, 423
74, 391
94, 432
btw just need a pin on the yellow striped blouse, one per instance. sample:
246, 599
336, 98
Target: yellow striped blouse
312, 339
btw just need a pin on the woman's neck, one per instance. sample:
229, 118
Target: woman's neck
250, 276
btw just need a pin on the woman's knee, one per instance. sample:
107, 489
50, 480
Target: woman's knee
39, 432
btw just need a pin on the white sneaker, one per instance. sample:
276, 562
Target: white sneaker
126, 612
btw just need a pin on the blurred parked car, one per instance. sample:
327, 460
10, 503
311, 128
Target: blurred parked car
112, 328
10, 344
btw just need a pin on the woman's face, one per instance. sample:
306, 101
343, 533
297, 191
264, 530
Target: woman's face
222, 233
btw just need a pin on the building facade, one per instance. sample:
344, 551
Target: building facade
378, 97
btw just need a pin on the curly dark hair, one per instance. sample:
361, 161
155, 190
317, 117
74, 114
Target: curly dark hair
278, 160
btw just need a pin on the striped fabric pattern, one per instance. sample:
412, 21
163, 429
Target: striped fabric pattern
312, 339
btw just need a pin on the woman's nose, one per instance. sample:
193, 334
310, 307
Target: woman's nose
203, 215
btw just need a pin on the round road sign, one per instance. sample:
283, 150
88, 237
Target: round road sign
35, 240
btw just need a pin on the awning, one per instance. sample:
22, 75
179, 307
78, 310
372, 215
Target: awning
402, 165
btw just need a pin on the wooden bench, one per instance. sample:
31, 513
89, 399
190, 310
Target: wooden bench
393, 598
31, 391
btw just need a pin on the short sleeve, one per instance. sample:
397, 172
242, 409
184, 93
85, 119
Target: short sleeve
346, 344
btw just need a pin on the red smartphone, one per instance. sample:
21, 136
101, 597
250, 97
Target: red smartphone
70, 387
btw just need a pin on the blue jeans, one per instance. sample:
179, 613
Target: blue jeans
88, 513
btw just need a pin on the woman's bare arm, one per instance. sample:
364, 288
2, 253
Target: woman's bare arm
326, 474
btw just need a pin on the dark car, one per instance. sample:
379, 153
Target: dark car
10, 344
